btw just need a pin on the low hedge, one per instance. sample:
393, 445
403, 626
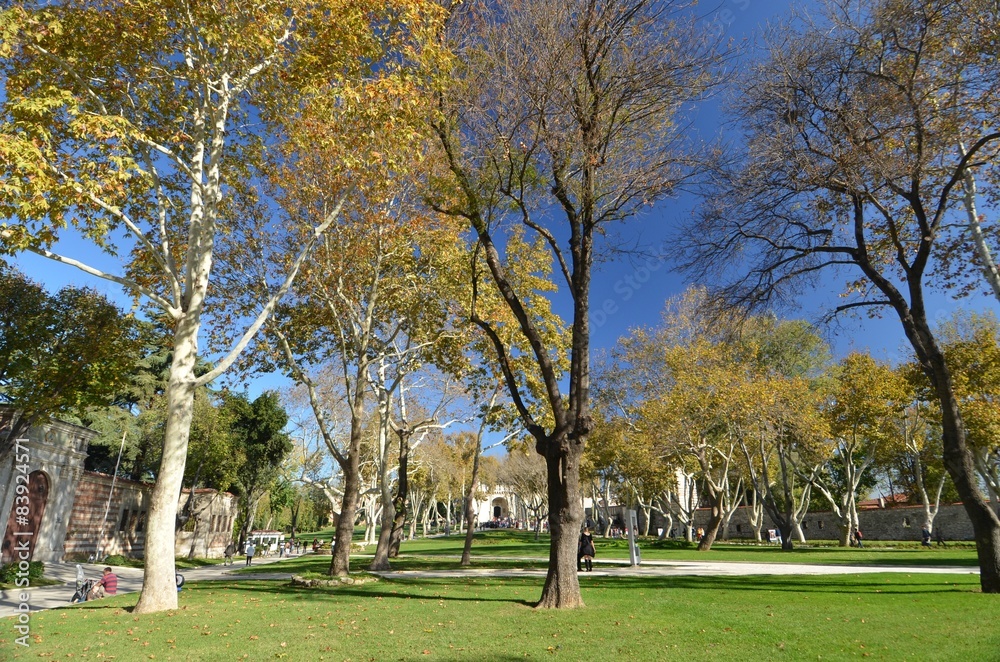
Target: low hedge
9, 571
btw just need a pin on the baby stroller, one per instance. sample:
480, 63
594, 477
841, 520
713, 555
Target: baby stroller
83, 586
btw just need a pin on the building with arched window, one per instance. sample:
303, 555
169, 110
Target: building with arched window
37, 487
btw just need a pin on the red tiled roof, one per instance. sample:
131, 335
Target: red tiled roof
900, 499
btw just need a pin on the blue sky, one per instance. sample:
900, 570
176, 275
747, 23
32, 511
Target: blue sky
626, 292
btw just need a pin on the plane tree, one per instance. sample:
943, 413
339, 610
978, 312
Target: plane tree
867, 401
524, 472
971, 343
145, 137
778, 417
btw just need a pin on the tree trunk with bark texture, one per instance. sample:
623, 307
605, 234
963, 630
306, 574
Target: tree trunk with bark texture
562, 586
381, 560
402, 492
471, 516
340, 564
714, 523
959, 462
159, 586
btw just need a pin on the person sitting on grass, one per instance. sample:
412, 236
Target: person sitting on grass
108, 585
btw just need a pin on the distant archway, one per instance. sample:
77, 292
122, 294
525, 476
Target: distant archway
23, 525
500, 508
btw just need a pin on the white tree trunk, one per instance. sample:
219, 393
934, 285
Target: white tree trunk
159, 588
447, 515
990, 271
755, 514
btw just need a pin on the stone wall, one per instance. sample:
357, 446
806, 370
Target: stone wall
210, 527
893, 523
206, 533
73, 514
122, 532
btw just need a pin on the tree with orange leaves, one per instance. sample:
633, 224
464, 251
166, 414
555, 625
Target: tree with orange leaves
140, 124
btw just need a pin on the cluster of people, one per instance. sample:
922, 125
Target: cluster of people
286, 548
925, 537
502, 523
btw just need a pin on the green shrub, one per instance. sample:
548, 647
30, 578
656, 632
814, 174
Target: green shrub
123, 561
8, 571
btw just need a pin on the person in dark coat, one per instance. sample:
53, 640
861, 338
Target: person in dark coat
585, 551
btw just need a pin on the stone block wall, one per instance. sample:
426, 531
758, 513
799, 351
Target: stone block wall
211, 525
123, 531
206, 534
892, 523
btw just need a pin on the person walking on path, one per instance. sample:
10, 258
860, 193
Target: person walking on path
250, 552
858, 537
230, 550
585, 551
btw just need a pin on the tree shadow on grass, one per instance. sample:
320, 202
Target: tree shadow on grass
455, 589
886, 584
404, 562
488, 549
423, 587
417, 589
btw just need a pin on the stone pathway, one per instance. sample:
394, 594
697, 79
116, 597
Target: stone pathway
621, 568
129, 581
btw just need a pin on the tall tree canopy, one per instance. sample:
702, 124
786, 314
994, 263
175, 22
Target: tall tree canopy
145, 138
259, 438
59, 354
561, 118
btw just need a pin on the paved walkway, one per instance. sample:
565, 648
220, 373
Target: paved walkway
130, 579
621, 568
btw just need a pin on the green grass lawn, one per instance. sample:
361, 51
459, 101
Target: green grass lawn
887, 616
882, 616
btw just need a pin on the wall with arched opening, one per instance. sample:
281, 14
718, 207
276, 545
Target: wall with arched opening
49, 461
